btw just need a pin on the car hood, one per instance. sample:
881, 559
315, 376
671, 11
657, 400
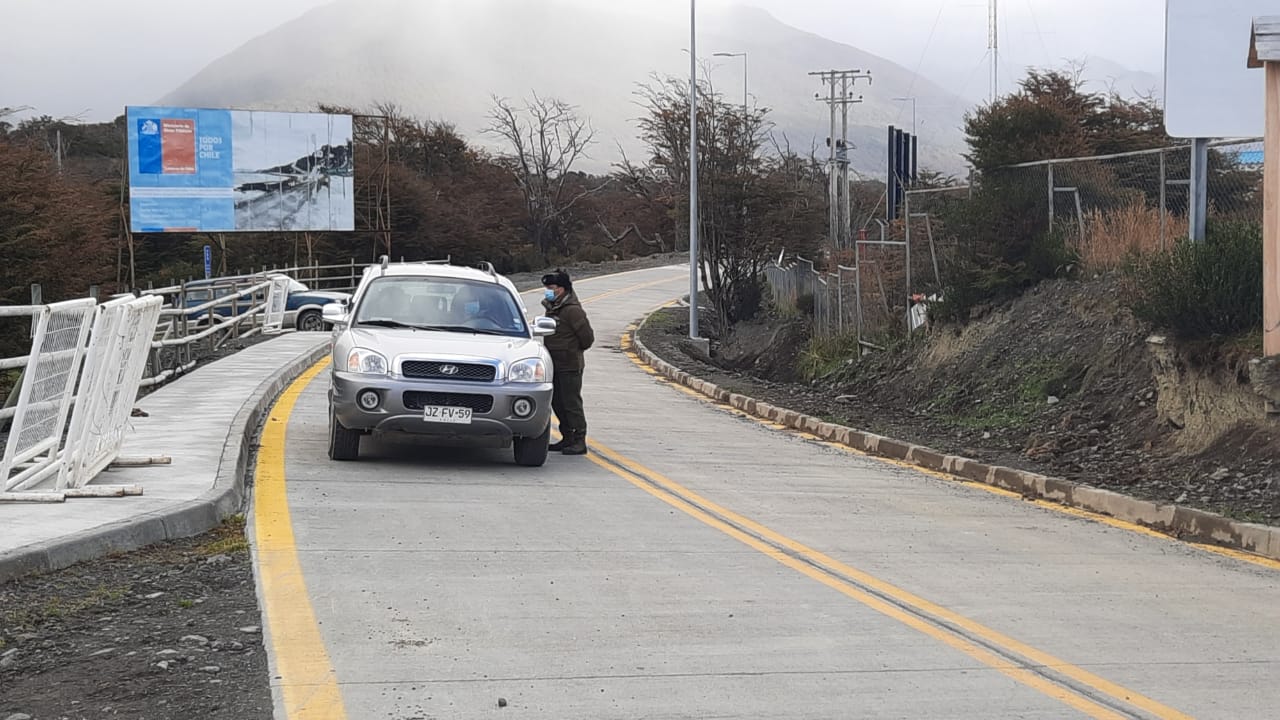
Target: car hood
394, 342
323, 295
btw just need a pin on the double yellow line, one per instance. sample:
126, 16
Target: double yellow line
1090, 694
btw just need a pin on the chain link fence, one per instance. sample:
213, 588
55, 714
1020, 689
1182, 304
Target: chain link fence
1108, 209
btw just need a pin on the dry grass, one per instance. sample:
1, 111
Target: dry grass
1113, 237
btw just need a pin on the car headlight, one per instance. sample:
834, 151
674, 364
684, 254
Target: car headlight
366, 362
532, 370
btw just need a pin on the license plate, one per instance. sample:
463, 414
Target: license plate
450, 415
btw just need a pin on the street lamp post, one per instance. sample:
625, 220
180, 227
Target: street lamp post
693, 169
913, 112
742, 55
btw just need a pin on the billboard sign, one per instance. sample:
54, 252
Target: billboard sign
200, 170
1209, 90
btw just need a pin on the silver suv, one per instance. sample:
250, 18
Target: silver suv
441, 351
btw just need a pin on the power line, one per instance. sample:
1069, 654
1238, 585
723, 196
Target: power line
923, 53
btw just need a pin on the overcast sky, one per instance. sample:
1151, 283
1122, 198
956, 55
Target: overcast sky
65, 57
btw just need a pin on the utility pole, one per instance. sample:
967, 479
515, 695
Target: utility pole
840, 84
693, 169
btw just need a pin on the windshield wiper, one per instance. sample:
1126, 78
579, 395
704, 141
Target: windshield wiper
462, 329
392, 324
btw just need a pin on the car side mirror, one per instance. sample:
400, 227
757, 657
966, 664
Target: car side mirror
335, 313
544, 326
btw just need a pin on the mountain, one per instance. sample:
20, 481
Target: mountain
443, 59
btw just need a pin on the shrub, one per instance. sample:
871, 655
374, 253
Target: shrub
1004, 243
1113, 237
1203, 290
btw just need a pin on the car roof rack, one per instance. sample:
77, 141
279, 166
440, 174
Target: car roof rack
488, 267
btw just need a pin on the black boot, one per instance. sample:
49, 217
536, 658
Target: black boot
577, 446
566, 439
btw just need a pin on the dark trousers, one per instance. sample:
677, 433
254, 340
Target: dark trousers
566, 400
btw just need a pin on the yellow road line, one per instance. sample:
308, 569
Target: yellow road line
307, 677
1081, 513
828, 571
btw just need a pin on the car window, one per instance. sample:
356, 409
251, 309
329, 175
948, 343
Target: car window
454, 304
297, 287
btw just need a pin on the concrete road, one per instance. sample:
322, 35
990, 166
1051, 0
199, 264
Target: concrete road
700, 565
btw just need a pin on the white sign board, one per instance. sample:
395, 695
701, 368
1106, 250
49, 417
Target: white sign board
1209, 91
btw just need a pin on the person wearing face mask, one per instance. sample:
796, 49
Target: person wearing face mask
572, 338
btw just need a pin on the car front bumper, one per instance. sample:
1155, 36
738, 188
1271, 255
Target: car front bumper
400, 410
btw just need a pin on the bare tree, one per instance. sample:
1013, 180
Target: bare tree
545, 139
751, 203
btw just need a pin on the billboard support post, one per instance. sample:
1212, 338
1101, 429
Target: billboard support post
1264, 51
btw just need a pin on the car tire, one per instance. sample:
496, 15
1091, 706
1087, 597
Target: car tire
532, 452
310, 321
344, 444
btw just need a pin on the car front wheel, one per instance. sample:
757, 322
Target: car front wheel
344, 444
532, 452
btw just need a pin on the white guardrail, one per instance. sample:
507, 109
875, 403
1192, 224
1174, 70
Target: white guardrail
80, 381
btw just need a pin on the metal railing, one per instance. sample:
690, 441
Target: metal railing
76, 392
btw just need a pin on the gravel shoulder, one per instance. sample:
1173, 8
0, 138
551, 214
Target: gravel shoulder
172, 631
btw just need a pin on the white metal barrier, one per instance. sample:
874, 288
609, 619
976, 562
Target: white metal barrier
117, 355
81, 379
48, 389
85, 365
277, 300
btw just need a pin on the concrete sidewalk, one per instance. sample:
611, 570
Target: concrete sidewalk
206, 422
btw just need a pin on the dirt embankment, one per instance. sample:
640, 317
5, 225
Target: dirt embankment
169, 632
1063, 382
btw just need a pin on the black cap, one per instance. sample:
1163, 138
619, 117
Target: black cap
559, 278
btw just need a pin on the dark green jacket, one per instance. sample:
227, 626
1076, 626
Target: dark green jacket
573, 335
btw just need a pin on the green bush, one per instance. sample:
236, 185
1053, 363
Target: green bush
1005, 245
1203, 290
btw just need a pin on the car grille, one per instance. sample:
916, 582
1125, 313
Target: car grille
429, 370
417, 400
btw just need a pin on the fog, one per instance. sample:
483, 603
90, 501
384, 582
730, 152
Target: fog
90, 58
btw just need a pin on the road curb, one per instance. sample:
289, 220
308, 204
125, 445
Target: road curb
1176, 521
183, 520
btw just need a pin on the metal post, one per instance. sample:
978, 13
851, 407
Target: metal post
693, 169
833, 197
846, 224
908, 249
857, 289
915, 167
839, 300
1163, 204
1051, 196
37, 298
1199, 190
891, 195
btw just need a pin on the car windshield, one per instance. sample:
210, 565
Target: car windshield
446, 304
